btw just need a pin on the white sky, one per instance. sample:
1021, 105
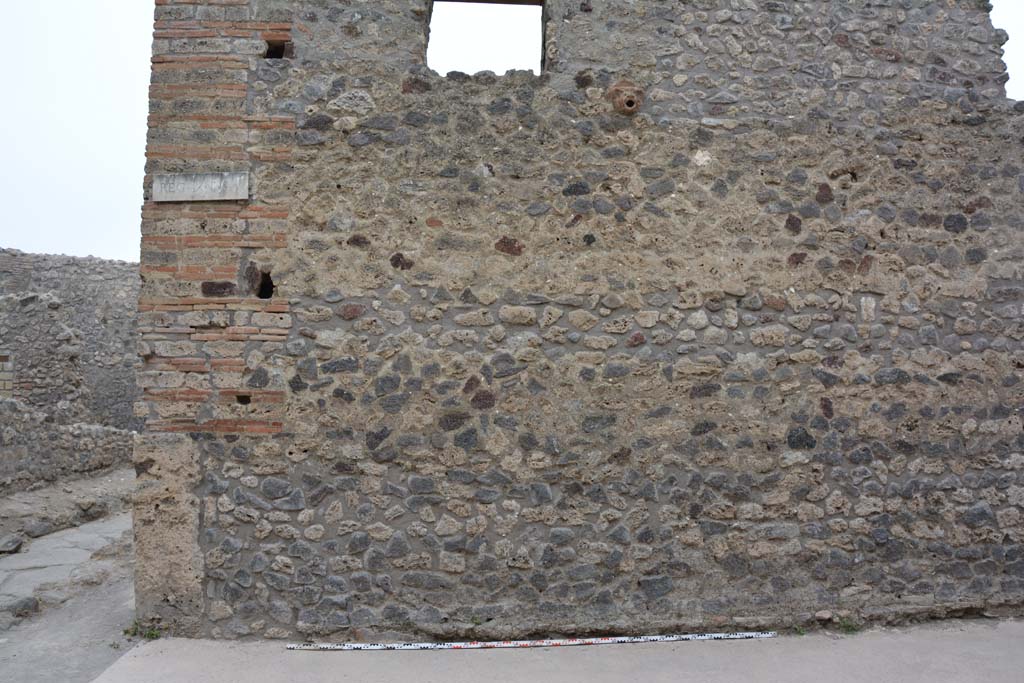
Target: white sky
488, 34
73, 125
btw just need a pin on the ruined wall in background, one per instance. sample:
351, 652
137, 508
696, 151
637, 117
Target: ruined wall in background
535, 362
35, 448
67, 329
68, 324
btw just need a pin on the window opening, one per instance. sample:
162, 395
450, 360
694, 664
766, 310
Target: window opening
470, 36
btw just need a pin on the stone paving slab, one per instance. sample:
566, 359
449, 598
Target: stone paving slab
53, 559
72, 643
66, 504
964, 652
82, 578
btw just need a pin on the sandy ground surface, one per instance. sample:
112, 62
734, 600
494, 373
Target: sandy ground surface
955, 651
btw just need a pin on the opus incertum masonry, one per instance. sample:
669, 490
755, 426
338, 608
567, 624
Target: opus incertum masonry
716, 323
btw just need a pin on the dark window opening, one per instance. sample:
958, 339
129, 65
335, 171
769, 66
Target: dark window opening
266, 287
279, 49
260, 283
470, 36
243, 399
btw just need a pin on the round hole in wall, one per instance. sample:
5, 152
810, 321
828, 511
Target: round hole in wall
630, 103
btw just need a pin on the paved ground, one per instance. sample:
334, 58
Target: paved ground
81, 581
66, 504
73, 643
57, 559
959, 652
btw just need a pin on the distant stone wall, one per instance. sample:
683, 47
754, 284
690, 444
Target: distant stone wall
34, 449
67, 366
67, 326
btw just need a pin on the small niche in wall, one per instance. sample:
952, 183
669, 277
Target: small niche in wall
486, 35
261, 284
279, 49
265, 290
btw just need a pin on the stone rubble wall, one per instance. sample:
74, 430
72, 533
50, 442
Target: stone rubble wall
69, 324
534, 365
35, 449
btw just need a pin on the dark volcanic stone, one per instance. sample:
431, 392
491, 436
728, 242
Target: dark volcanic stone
576, 189
339, 365
400, 262
483, 400
217, 289
296, 501
799, 438
397, 546
794, 224
319, 122
594, 423
452, 421
259, 379
420, 485
827, 379
824, 194
509, 245
892, 376
655, 586
10, 544
705, 390
955, 223
466, 440
979, 514
274, 488
375, 439
703, 427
